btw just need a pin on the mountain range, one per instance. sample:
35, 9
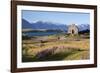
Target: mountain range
50, 25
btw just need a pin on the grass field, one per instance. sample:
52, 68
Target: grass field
55, 47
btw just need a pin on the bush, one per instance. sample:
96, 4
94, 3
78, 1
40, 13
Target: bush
25, 37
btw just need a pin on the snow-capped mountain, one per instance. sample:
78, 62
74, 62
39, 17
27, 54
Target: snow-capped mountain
51, 26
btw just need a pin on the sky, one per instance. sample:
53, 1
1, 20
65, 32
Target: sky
56, 17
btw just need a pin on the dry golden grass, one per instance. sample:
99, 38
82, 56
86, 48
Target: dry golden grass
83, 44
79, 56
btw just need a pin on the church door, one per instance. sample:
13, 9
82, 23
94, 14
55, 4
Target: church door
72, 31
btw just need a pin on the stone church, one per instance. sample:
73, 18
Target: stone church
73, 29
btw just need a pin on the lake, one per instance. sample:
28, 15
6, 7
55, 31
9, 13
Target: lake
30, 34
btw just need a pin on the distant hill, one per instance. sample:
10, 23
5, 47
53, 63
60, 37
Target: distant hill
26, 24
84, 31
42, 25
83, 27
51, 26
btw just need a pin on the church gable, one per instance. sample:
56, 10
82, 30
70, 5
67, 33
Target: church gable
73, 29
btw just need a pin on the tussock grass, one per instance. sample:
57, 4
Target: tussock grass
69, 48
